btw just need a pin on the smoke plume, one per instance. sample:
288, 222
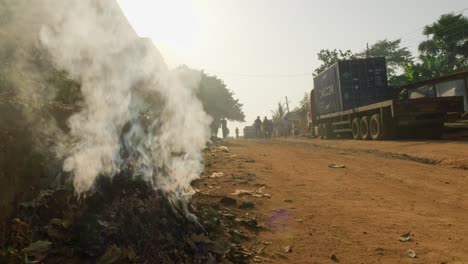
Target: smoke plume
137, 116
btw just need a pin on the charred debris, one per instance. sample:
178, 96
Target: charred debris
122, 221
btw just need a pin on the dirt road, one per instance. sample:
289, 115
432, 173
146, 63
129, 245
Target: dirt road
348, 215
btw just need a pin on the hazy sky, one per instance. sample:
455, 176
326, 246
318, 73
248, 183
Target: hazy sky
265, 50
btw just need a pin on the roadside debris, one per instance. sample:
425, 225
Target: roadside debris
261, 250
379, 251
405, 237
247, 205
257, 194
411, 253
112, 255
287, 249
250, 161
337, 166
334, 258
38, 250
228, 201
123, 221
216, 175
223, 148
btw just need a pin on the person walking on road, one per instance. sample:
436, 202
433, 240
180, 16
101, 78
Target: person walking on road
224, 127
258, 127
237, 133
265, 127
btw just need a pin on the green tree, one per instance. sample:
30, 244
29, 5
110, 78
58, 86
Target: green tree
302, 108
444, 52
330, 57
447, 42
396, 56
278, 114
218, 101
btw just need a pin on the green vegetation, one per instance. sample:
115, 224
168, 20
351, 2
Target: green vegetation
278, 114
444, 51
217, 100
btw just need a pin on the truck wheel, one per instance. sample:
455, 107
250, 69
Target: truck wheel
375, 128
364, 128
355, 129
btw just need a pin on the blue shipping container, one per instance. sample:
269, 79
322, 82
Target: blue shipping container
350, 84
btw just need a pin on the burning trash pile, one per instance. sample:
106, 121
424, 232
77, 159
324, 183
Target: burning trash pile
129, 153
123, 221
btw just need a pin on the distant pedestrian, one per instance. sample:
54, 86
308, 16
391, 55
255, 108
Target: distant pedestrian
224, 127
237, 132
258, 127
265, 127
270, 128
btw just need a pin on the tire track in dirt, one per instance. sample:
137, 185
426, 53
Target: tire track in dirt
373, 152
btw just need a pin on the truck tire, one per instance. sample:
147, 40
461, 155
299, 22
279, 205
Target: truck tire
376, 128
364, 128
355, 129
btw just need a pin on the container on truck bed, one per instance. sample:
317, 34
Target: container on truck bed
353, 98
350, 84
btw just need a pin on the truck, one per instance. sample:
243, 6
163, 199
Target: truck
352, 98
455, 84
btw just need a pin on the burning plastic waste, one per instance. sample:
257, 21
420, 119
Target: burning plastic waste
137, 115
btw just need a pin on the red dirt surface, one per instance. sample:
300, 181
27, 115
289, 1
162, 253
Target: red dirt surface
354, 214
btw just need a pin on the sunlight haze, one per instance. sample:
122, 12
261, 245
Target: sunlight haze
265, 50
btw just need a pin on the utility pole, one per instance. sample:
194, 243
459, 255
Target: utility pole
367, 51
287, 104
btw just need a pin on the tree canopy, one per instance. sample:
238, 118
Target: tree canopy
330, 57
278, 113
443, 52
217, 100
396, 56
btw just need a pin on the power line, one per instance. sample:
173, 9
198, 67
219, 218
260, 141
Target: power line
446, 28
421, 28
413, 43
265, 75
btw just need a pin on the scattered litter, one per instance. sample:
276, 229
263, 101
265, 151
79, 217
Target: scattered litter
266, 195
223, 148
256, 259
299, 220
261, 250
337, 166
405, 237
287, 249
266, 242
379, 251
216, 175
247, 205
242, 192
334, 258
228, 201
112, 255
411, 253
257, 194
38, 249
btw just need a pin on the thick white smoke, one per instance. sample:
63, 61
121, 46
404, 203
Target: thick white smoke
137, 113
